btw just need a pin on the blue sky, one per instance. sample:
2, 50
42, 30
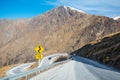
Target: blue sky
14, 9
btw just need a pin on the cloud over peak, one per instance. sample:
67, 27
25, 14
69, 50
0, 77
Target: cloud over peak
108, 8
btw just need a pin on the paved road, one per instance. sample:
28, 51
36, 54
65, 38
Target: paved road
18, 69
21, 68
50, 59
79, 69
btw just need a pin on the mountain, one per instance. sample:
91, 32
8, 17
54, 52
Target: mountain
63, 29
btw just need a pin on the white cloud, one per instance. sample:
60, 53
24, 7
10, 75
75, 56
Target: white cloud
105, 7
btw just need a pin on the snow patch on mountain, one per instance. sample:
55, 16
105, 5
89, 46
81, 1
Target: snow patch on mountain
68, 7
116, 18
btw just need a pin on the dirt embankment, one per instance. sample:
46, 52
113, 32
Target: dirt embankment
105, 50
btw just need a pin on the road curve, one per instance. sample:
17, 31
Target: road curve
50, 59
18, 69
79, 69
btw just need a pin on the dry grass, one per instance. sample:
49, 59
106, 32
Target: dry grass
61, 58
96, 41
101, 38
33, 66
110, 35
6, 68
46, 53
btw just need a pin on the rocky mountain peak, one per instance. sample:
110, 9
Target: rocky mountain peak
69, 9
74, 9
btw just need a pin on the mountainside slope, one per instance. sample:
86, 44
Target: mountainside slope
62, 29
105, 50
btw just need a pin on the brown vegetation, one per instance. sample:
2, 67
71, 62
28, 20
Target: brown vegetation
60, 29
4, 70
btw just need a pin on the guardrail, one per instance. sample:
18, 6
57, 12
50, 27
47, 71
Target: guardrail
26, 73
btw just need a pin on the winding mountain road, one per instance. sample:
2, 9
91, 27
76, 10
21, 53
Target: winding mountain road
79, 69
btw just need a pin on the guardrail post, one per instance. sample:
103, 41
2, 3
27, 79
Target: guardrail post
26, 77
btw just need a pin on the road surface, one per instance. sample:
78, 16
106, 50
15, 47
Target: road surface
79, 69
18, 69
50, 59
